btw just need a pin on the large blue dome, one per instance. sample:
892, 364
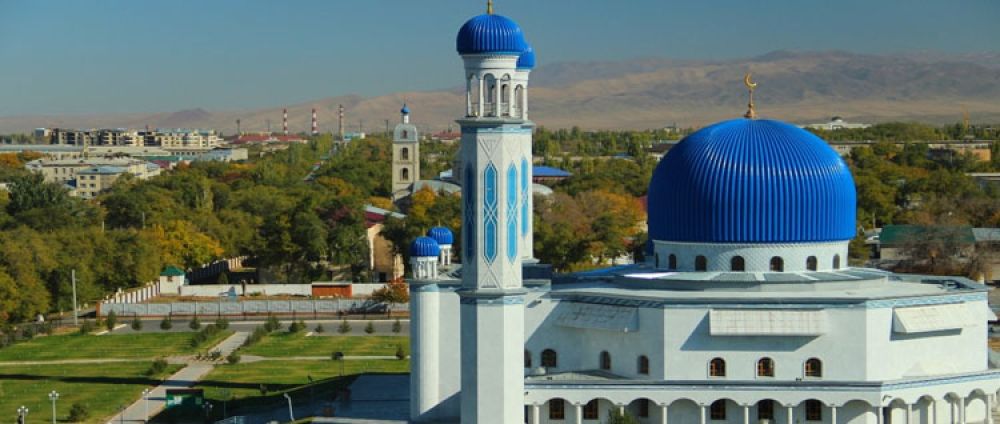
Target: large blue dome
424, 247
527, 59
752, 181
490, 34
441, 235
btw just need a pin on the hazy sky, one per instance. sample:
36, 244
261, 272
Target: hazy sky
90, 56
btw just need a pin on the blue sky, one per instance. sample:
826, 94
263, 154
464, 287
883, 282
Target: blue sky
90, 56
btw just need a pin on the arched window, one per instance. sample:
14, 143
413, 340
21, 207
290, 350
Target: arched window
718, 410
765, 410
657, 260
519, 100
472, 96
836, 261
643, 365
404, 174
605, 361
549, 358
557, 409
404, 153
700, 263
672, 261
643, 405
717, 367
814, 368
592, 410
765, 367
777, 264
811, 263
405, 133
814, 410
737, 264
527, 359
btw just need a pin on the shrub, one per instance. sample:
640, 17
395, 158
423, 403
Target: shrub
28, 332
233, 358
79, 412
87, 327
616, 417
157, 367
397, 326
369, 328
48, 328
400, 352
222, 323
272, 324
256, 336
166, 323
136, 324
111, 320
345, 327
194, 324
296, 327
319, 328
215, 355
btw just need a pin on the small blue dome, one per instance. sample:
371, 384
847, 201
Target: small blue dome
752, 181
527, 59
425, 247
405, 110
441, 235
490, 33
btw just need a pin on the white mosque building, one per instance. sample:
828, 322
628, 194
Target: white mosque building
745, 311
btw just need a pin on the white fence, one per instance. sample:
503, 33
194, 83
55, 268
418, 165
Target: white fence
250, 307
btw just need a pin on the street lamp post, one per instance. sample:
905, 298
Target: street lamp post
22, 414
145, 404
291, 415
53, 397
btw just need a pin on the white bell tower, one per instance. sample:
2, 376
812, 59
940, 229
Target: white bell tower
405, 155
495, 174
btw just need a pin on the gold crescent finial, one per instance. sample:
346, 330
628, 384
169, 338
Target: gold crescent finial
489, 7
751, 113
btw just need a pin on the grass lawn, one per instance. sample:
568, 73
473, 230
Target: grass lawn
241, 383
287, 344
127, 346
101, 387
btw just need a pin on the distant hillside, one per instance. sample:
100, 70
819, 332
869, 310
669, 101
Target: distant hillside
648, 93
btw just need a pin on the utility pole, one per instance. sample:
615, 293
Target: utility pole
75, 312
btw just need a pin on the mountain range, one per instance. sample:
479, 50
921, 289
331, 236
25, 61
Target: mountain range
798, 87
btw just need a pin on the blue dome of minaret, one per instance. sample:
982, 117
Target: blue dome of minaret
441, 235
527, 59
405, 110
752, 181
425, 247
490, 34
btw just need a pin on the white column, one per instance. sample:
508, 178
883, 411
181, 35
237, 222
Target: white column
909, 413
702, 414
621, 409
961, 410
878, 414
482, 96
468, 97
496, 97
934, 412
746, 414
833, 414
578, 413
989, 409
535, 414
790, 409
663, 414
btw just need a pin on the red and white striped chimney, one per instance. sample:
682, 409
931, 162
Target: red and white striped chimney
284, 121
315, 127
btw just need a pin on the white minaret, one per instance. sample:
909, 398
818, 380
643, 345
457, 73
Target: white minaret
405, 155
525, 63
493, 167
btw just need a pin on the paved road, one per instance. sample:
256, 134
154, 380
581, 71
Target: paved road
186, 377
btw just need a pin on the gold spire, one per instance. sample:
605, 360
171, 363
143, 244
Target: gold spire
489, 7
751, 113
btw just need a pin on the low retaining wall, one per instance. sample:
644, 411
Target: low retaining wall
250, 307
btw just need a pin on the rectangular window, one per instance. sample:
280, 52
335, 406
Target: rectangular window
557, 409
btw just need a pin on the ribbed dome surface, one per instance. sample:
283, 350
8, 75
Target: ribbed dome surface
424, 247
441, 235
527, 59
752, 181
485, 34
405, 110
